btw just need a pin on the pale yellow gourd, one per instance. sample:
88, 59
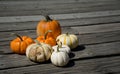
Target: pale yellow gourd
39, 52
68, 39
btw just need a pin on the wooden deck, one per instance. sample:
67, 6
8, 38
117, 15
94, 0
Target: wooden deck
95, 22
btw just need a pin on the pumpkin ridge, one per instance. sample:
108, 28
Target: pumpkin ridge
29, 51
35, 53
44, 52
22, 46
19, 48
71, 42
49, 24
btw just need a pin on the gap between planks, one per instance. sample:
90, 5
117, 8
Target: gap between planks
54, 1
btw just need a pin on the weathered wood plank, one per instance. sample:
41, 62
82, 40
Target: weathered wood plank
103, 49
58, 1
35, 8
89, 51
16, 61
6, 36
64, 23
34, 5
96, 28
84, 39
96, 24
58, 11
106, 65
60, 16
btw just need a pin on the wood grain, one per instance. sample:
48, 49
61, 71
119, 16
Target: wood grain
13, 8
59, 16
84, 39
16, 26
103, 65
75, 30
95, 22
81, 52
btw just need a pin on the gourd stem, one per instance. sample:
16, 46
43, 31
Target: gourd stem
45, 36
36, 41
60, 45
67, 33
18, 36
48, 18
58, 48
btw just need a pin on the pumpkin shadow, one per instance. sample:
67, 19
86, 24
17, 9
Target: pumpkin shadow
70, 64
79, 48
45, 62
72, 55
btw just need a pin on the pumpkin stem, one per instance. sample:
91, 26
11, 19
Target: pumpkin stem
18, 36
60, 45
58, 48
45, 36
67, 33
48, 18
36, 41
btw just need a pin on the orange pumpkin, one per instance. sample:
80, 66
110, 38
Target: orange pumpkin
48, 24
19, 44
48, 39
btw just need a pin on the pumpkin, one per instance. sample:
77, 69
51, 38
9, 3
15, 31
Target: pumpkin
39, 52
48, 24
68, 39
19, 44
47, 39
63, 48
59, 58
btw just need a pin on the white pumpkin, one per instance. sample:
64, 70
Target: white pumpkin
39, 52
59, 58
68, 39
64, 48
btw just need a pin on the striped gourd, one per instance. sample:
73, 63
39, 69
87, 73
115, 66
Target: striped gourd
68, 39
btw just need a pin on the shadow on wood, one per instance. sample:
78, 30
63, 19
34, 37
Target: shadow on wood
97, 57
70, 64
79, 48
71, 55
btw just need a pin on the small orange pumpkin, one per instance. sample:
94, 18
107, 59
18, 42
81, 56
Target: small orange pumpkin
48, 39
48, 24
19, 44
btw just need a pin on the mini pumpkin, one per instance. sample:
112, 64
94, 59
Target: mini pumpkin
68, 39
39, 52
62, 48
59, 58
19, 44
47, 39
48, 24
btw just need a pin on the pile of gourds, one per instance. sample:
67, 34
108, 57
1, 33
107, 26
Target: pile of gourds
50, 44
